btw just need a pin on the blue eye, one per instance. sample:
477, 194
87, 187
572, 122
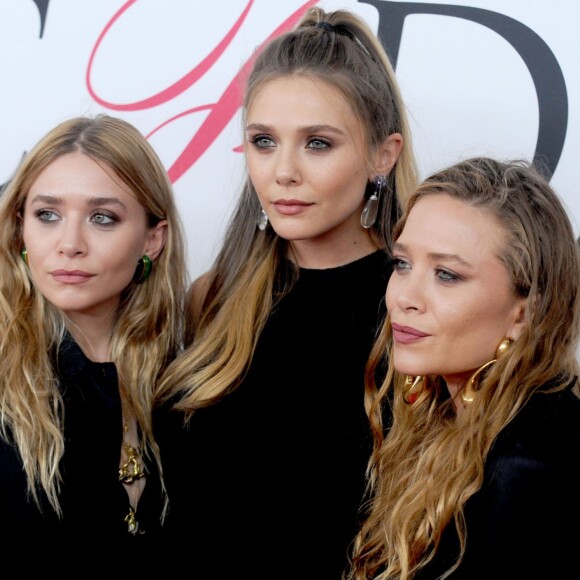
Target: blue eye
103, 219
46, 215
446, 275
318, 144
262, 142
398, 264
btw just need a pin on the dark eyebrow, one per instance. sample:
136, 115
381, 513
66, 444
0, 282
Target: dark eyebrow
437, 256
310, 129
96, 201
93, 201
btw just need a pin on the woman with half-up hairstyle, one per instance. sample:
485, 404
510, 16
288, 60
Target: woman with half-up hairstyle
477, 475
271, 387
92, 281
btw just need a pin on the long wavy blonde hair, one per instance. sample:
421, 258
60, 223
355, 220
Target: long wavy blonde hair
147, 332
252, 270
432, 460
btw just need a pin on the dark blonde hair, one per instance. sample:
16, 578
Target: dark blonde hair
252, 269
147, 332
431, 462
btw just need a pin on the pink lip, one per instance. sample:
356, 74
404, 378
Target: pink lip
406, 334
71, 276
290, 206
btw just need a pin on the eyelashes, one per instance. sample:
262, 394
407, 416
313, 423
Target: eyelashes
104, 219
46, 216
99, 218
398, 264
318, 144
262, 142
402, 266
267, 142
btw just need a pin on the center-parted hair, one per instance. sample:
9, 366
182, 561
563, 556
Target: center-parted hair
431, 462
147, 332
252, 270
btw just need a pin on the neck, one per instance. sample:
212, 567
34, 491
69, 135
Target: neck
455, 384
319, 254
93, 339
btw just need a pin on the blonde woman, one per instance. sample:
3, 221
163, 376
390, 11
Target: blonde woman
476, 477
92, 273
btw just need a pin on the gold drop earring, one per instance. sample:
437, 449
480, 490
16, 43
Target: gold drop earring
413, 388
468, 392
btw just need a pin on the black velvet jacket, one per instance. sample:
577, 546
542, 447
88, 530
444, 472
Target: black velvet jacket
525, 521
94, 503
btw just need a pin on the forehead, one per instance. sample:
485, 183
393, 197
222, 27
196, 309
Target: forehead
76, 174
442, 224
306, 95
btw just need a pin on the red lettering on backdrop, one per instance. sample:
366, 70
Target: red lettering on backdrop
177, 88
221, 112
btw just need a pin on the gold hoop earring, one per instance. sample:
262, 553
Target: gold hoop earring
413, 388
468, 392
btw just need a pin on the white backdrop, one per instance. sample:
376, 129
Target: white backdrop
170, 68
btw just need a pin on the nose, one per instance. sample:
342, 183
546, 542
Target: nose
287, 167
407, 291
72, 241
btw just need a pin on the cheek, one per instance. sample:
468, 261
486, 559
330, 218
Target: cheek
389, 297
37, 245
486, 308
470, 329
352, 171
349, 187
256, 168
117, 275
392, 292
259, 183
116, 256
28, 236
124, 262
458, 319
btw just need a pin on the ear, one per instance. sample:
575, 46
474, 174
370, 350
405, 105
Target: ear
519, 323
387, 154
156, 238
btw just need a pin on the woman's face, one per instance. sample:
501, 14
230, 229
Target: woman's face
450, 298
305, 152
84, 232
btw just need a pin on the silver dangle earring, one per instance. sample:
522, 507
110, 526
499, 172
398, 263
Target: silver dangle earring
262, 220
371, 208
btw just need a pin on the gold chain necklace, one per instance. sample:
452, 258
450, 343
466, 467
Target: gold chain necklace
129, 473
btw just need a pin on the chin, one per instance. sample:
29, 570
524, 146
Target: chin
409, 367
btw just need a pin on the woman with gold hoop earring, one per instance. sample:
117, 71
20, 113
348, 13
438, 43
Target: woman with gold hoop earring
476, 478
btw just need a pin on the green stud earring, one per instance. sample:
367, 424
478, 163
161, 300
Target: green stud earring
24, 256
144, 267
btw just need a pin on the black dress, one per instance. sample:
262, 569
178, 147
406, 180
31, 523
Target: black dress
267, 483
94, 503
525, 521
